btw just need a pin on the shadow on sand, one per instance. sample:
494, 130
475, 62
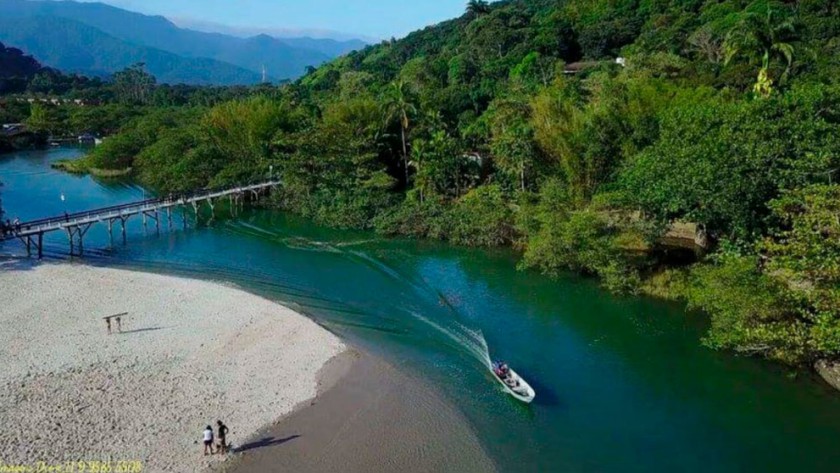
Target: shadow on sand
266, 442
15, 263
140, 330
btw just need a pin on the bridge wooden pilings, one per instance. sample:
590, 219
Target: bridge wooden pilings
78, 224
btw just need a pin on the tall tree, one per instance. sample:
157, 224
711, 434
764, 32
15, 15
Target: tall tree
398, 106
513, 151
512, 139
438, 165
134, 85
767, 35
44, 119
478, 7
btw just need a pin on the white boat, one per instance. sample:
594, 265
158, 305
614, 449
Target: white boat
514, 384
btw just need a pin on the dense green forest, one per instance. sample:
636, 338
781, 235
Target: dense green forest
59, 104
577, 131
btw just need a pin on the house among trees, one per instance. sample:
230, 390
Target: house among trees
87, 139
13, 128
579, 66
56, 101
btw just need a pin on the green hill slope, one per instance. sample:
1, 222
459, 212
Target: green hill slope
16, 69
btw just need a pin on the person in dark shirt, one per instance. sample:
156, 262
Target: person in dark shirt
222, 433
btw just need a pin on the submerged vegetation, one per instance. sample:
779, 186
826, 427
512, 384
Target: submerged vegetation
578, 131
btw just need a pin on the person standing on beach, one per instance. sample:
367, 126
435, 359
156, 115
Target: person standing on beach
208, 440
222, 432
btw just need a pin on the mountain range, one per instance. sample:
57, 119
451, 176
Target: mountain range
99, 39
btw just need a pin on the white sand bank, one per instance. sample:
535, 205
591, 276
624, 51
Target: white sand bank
191, 352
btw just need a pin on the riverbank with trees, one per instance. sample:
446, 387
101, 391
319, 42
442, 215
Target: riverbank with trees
579, 132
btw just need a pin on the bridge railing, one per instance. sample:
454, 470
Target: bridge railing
86, 214
135, 206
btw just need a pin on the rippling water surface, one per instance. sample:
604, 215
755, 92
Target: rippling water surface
623, 384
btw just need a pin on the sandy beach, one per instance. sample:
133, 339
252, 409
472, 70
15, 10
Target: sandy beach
190, 352
368, 417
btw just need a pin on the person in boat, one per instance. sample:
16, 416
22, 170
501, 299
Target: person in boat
511, 382
500, 369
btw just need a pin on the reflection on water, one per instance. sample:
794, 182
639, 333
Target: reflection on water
622, 383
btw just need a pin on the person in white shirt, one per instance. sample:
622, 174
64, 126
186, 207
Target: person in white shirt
208, 440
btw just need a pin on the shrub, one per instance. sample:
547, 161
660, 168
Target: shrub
482, 217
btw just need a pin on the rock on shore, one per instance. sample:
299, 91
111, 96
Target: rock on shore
829, 372
191, 352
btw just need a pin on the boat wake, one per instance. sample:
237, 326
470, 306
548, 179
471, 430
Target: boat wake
472, 341
426, 314
459, 336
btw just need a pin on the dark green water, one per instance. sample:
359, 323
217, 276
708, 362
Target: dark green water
622, 383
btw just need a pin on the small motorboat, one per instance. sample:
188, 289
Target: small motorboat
513, 383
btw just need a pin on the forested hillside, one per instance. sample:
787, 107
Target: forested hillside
16, 69
578, 131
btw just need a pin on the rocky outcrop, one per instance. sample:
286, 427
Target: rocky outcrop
830, 371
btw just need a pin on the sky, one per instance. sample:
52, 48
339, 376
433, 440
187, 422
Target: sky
368, 19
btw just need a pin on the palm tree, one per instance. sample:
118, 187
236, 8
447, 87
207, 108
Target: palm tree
478, 7
767, 35
421, 179
398, 106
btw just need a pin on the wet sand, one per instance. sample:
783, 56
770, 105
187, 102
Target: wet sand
367, 417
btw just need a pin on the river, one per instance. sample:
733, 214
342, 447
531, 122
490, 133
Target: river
623, 383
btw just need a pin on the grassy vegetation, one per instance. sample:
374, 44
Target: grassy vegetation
81, 167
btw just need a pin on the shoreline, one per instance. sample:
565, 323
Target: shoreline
829, 371
190, 352
368, 416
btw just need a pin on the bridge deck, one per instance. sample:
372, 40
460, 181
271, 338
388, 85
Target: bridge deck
35, 227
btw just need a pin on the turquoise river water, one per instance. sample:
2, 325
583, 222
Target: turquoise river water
623, 383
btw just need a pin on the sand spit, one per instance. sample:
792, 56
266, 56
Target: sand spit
191, 352
402, 425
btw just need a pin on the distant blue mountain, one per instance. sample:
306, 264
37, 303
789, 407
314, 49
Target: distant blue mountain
99, 38
331, 47
71, 46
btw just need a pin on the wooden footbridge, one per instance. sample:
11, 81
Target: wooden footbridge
77, 224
